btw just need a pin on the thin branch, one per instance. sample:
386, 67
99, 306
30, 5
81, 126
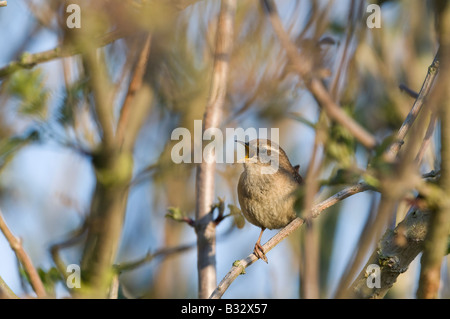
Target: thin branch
74, 238
5, 291
394, 185
204, 224
407, 90
351, 27
29, 61
99, 82
164, 252
427, 139
22, 256
418, 104
309, 277
133, 88
240, 266
177, 215
303, 65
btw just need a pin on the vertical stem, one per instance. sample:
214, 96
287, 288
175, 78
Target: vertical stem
309, 277
205, 228
105, 222
435, 245
113, 164
436, 241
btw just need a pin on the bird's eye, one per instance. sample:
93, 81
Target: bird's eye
264, 154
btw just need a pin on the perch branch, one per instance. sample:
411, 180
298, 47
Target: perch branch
241, 265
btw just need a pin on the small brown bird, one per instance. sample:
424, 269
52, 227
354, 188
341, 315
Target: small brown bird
267, 188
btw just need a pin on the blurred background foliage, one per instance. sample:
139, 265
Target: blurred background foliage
48, 128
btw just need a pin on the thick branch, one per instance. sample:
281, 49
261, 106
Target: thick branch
241, 265
395, 251
99, 82
436, 242
204, 225
394, 185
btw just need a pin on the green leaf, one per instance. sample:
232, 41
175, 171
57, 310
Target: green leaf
344, 176
299, 117
28, 87
72, 100
175, 213
50, 278
340, 146
10, 146
238, 217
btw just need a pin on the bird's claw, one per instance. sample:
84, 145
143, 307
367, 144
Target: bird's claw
259, 252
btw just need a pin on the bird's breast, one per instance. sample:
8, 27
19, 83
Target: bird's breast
267, 200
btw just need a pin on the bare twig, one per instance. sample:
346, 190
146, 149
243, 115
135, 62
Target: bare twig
5, 291
393, 188
24, 259
427, 139
134, 86
395, 185
204, 224
241, 265
410, 92
73, 238
418, 104
353, 16
164, 252
29, 61
176, 215
303, 66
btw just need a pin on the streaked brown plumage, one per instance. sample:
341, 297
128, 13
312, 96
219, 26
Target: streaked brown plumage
267, 199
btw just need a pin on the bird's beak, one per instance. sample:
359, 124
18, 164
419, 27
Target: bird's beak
244, 159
